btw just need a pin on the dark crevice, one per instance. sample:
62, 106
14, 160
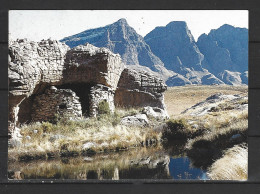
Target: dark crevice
82, 90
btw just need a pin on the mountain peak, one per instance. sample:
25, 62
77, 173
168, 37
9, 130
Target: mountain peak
180, 24
122, 21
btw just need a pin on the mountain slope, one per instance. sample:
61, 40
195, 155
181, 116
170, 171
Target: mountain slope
120, 38
176, 47
226, 53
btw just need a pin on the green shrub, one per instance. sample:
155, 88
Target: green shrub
116, 118
179, 129
103, 107
179, 124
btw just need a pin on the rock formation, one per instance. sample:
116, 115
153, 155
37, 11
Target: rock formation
54, 101
176, 47
139, 89
226, 53
83, 77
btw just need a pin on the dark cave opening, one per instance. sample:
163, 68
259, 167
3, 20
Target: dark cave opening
25, 110
82, 90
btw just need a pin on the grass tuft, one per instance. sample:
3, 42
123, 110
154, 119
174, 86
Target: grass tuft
232, 166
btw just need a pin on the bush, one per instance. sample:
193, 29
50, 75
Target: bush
176, 125
103, 107
179, 129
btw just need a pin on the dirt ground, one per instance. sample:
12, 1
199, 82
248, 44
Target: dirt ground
179, 98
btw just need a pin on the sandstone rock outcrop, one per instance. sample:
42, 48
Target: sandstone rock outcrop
83, 77
139, 89
55, 101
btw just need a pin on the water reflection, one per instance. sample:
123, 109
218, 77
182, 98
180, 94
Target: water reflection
181, 168
144, 163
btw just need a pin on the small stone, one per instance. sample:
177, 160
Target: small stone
88, 159
88, 145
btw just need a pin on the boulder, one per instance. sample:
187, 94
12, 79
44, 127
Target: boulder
88, 145
15, 142
155, 112
135, 120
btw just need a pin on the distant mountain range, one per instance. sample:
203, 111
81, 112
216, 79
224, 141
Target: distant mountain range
221, 57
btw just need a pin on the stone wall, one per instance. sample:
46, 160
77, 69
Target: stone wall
99, 93
55, 101
138, 89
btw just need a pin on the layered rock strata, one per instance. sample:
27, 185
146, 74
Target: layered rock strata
140, 89
84, 76
55, 101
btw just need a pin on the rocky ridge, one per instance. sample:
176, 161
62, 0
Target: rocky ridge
226, 53
176, 47
120, 38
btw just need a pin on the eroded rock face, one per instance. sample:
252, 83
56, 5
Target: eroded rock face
98, 94
84, 76
32, 66
36, 66
90, 64
55, 101
139, 89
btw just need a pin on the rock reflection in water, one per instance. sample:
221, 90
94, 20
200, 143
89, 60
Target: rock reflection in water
152, 163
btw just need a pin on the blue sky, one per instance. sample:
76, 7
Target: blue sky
42, 24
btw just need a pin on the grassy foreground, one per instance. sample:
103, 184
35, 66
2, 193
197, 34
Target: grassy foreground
209, 140
232, 166
85, 136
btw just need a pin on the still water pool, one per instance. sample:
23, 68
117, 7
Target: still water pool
142, 163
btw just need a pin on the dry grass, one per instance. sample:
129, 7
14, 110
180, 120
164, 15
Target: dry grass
232, 166
178, 99
220, 133
220, 124
103, 134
